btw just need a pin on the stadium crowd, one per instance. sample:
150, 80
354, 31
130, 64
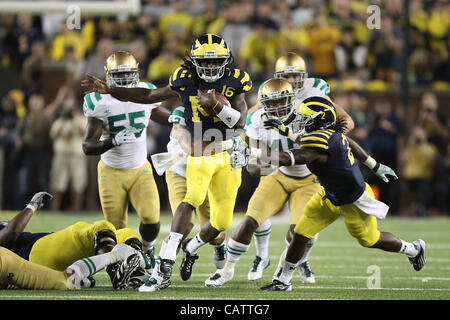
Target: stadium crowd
43, 60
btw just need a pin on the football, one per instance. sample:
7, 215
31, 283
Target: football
221, 98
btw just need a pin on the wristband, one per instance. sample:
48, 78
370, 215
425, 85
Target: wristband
289, 152
227, 144
255, 152
292, 136
371, 163
217, 103
30, 206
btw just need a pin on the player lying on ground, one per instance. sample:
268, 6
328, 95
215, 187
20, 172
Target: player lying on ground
18, 273
329, 155
80, 240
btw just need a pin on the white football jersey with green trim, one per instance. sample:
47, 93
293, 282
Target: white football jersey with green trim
312, 87
117, 115
254, 129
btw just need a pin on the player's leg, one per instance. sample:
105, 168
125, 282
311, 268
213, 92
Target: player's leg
305, 189
198, 177
262, 259
222, 193
16, 272
364, 228
113, 195
144, 197
267, 199
317, 215
219, 256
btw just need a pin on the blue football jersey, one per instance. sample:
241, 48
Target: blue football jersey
233, 82
340, 175
22, 246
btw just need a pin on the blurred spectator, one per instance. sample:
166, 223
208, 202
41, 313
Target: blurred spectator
208, 15
350, 55
66, 40
69, 164
322, 40
178, 21
162, 67
382, 142
8, 120
33, 67
419, 159
147, 27
138, 48
95, 63
384, 47
257, 54
265, 15
292, 39
233, 26
33, 143
27, 34
359, 112
304, 12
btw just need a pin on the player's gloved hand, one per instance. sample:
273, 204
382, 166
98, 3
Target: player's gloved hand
37, 202
283, 130
382, 171
124, 136
276, 125
238, 159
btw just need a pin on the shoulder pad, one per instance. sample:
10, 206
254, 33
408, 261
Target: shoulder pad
180, 78
90, 102
177, 116
240, 79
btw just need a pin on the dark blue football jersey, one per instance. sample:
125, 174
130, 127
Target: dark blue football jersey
340, 175
233, 82
22, 246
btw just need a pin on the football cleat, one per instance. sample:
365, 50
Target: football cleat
164, 273
219, 278
277, 285
220, 255
138, 278
187, 264
88, 282
419, 260
306, 275
256, 272
124, 272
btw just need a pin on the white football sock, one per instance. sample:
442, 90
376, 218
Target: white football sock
170, 251
262, 236
309, 246
409, 249
91, 265
288, 271
235, 250
162, 250
195, 243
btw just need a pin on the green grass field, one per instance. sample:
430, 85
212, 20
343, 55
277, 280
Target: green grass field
342, 267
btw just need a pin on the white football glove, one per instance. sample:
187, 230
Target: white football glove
125, 136
238, 159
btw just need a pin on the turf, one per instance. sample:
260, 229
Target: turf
342, 267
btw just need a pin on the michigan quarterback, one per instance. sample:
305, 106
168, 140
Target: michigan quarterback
117, 131
205, 72
330, 155
290, 67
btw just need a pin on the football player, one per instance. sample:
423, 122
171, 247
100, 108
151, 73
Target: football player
117, 131
330, 155
290, 67
208, 172
173, 163
83, 240
18, 273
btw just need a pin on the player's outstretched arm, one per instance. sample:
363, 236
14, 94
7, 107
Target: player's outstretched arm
380, 170
136, 95
289, 158
343, 116
15, 227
